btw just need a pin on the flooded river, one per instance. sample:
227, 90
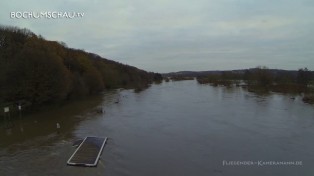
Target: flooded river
176, 128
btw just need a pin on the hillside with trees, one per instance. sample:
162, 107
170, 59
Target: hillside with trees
36, 71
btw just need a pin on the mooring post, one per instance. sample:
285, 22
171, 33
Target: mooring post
7, 117
20, 110
58, 127
7, 113
3, 117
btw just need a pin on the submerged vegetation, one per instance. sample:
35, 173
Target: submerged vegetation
262, 79
180, 78
309, 98
36, 71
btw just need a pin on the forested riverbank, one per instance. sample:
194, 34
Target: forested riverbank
36, 71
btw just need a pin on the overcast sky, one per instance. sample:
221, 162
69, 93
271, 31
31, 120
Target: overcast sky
177, 35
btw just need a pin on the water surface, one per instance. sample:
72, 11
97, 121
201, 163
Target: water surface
175, 128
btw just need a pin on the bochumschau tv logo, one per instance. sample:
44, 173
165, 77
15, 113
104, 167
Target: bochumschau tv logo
46, 15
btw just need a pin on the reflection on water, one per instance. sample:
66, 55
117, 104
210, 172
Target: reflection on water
174, 128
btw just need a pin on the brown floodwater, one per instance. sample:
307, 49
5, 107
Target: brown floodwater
175, 128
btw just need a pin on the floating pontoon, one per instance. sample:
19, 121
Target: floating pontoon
88, 152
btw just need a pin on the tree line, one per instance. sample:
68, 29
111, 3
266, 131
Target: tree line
38, 71
262, 79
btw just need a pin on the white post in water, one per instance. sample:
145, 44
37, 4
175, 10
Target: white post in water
58, 127
20, 110
6, 109
7, 120
7, 112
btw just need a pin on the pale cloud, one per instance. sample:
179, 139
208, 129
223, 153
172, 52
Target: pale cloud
164, 36
256, 23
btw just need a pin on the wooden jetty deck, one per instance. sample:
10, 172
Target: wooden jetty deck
88, 152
